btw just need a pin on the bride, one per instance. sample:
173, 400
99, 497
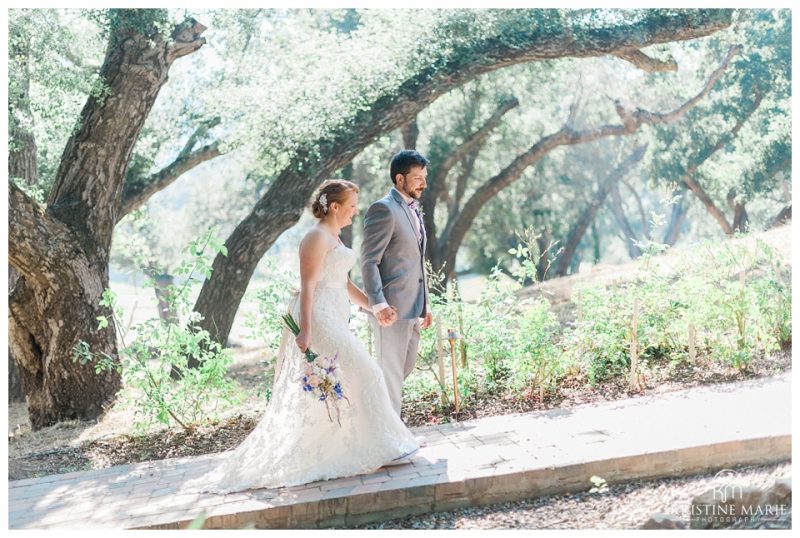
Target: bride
296, 441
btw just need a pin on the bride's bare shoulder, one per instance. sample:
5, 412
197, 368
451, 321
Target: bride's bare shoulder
317, 240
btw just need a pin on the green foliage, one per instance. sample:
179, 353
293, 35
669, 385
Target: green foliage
599, 484
539, 365
62, 52
509, 344
740, 300
267, 322
33, 191
159, 348
735, 318
151, 23
746, 167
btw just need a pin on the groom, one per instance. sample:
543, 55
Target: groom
394, 275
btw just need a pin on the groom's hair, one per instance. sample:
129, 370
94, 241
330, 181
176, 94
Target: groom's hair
404, 160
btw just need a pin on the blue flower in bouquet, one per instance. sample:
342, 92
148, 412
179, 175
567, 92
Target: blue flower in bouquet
319, 375
320, 378
306, 386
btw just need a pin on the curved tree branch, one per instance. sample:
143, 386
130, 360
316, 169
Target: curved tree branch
437, 186
668, 117
697, 189
647, 63
784, 216
459, 224
186, 39
467, 166
473, 141
135, 194
199, 132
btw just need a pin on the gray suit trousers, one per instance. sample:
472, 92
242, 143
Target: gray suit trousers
396, 347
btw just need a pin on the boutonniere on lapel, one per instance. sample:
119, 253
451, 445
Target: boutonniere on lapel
416, 206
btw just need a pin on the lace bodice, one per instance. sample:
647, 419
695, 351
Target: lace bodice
335, 267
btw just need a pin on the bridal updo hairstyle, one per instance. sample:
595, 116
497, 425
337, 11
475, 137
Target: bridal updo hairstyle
333, 190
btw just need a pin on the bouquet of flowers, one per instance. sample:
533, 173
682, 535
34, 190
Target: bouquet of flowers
319, 375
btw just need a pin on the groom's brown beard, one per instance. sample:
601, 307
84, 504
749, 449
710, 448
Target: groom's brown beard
414, 194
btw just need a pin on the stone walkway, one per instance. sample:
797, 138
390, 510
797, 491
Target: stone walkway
474, 462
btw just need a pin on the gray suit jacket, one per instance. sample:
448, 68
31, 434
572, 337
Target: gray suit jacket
391, 257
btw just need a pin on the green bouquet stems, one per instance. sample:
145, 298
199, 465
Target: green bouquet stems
292, 325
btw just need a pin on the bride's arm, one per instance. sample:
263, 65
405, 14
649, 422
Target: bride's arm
313, 249
357, 296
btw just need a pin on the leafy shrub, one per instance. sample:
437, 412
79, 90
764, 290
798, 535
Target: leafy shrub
159, 385
735, 296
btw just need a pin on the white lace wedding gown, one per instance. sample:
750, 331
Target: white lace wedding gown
296, 442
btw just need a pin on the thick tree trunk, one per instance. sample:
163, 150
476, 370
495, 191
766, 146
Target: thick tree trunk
48, 316
741, 220
410, 132
678, 215
21, 161
62, 248
590, 212
347, 233
15, 391
22, 149
622, 221
220, 295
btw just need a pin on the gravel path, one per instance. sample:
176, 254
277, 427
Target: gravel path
622, 506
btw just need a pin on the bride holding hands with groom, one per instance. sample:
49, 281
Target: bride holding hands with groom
296, 441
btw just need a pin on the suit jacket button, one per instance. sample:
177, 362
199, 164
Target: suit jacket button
420, 280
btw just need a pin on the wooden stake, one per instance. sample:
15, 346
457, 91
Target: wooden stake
440, 359
692, 348
462, 343
452, 336
634, 377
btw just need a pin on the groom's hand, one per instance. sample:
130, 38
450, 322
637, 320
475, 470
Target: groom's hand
427, 320
387, 316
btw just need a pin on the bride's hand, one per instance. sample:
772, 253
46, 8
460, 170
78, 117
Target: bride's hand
303, 339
